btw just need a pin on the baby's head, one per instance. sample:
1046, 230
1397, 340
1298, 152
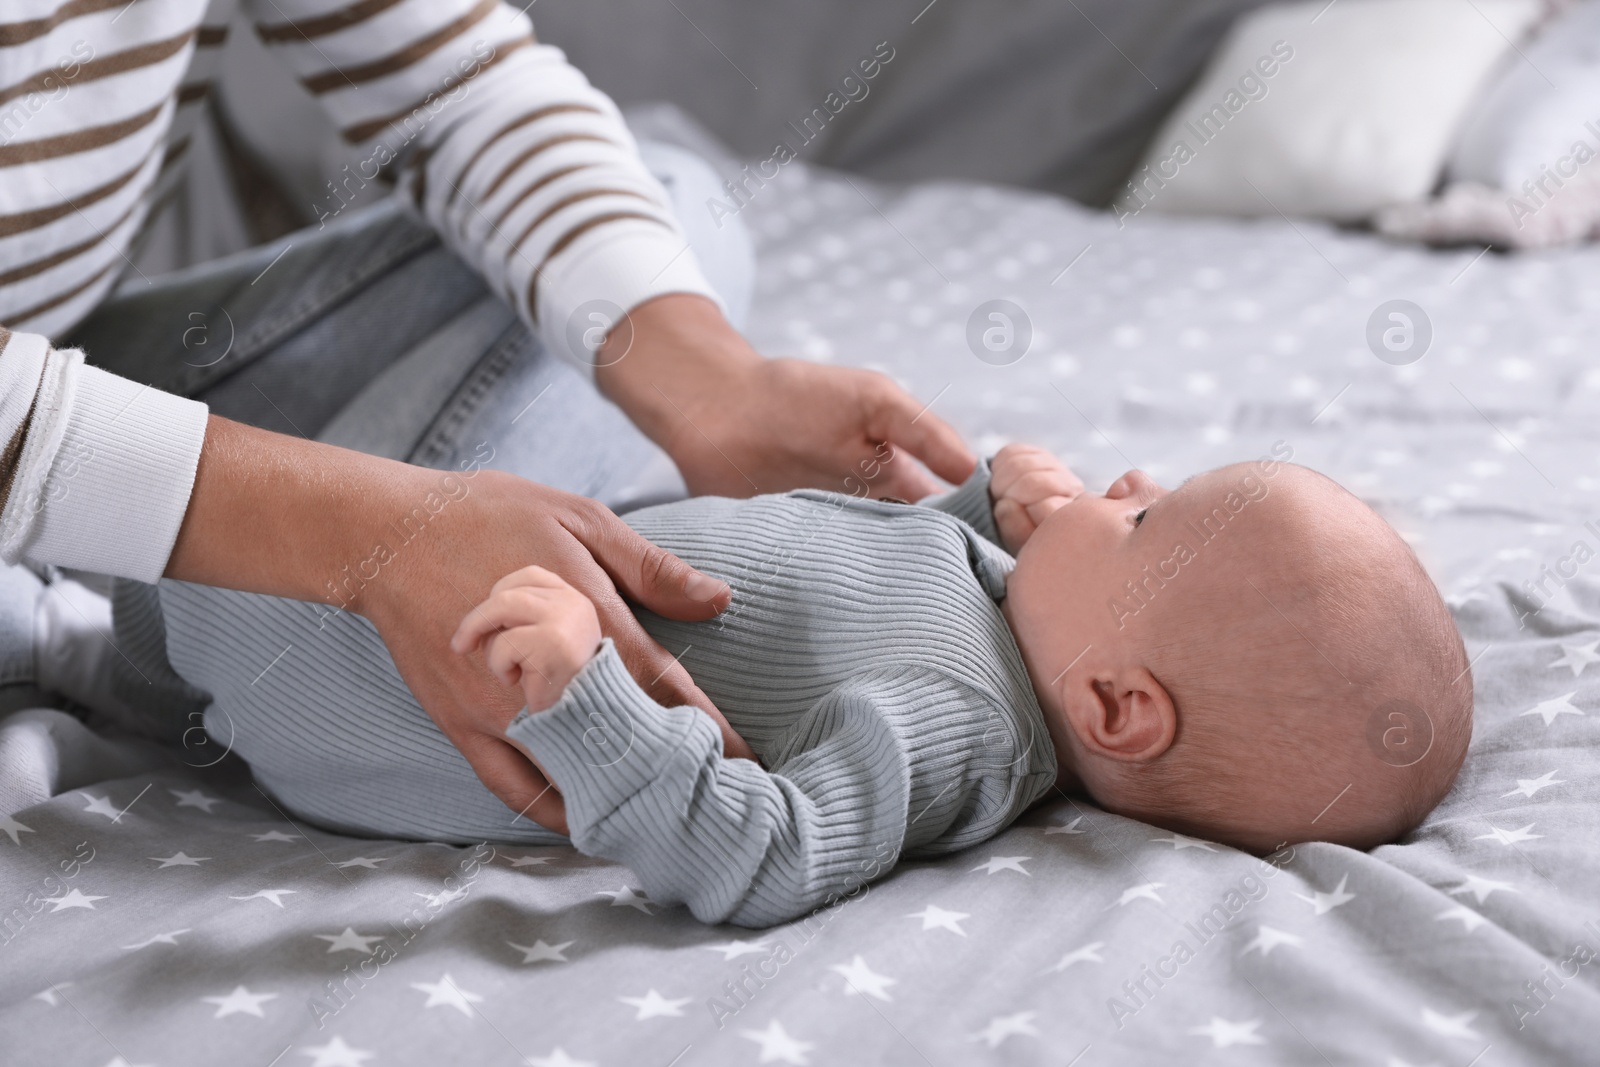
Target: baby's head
1255, 658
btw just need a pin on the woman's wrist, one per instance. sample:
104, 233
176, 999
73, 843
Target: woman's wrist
288, 517
669, 358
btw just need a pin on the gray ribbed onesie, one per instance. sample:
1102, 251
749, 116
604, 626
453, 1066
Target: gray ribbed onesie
864, 658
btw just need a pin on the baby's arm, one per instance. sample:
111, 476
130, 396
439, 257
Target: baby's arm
1008, 496
649, 786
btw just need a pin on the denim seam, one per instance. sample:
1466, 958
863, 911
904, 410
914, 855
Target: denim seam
313, 302
441, 438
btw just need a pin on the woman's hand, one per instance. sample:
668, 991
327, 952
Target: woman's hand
737, 424
501, 525
1026, 484
413, 550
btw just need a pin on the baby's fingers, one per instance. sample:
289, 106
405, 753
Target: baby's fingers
1036, 486
512, 653
1015, 526
511, 606
1015, 461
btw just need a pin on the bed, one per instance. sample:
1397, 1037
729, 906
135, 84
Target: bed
170, 913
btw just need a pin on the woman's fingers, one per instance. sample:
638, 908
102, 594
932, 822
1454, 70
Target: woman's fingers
897, 417
649, 575
899, 476
508, 774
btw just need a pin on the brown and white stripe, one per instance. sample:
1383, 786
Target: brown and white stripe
526, 170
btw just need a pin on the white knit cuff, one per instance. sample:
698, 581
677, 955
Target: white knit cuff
117, 485
583, 291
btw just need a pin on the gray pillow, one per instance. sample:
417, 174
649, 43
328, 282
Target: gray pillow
1055, 96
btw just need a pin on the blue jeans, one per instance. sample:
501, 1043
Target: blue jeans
372, 335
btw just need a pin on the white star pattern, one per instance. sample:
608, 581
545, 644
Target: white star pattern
275, 896
1549, 709
1004, 863
1469, 919
934, 916
734, 949
1224, 1034
1508, 837
1089, 953
369, 862
179, 859
1529, 786
1322, 903
49, 996
527, 861
101, 806
1481, 887
1451, 1025
73, 899
1065, 828
349, 941
443, 896
240, 1002
1179, 841
627, 898
1577, 657
558, 1058
776, 1044
13, 829
194, 798
539, 950
1004, 1026
275, 835
336, 1054
653, 1004
159, 939
446, 994
1268, 938
859, 978
1147, 891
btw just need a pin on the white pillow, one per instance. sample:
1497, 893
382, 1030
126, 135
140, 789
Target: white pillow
1326, 109
1544, 103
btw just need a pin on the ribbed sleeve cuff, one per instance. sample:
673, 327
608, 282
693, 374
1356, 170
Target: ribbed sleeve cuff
119, 483
605, 740
970, 503
583, 290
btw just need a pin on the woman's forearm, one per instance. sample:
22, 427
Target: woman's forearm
285, 516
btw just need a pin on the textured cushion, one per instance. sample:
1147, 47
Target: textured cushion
1358, 111
1534, 112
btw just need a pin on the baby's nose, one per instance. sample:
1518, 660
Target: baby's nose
1132, 483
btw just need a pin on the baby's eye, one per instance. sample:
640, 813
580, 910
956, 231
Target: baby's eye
1137, 519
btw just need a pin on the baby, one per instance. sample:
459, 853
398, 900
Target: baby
1255, 658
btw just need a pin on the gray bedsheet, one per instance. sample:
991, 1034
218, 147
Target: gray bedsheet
175, 916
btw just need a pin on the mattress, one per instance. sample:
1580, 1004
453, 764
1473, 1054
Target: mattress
177, 916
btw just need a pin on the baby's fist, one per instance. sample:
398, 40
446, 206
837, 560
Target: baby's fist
1026, 484
535, 630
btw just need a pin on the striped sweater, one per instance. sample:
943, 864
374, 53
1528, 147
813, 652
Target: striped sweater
525, 170
864, 658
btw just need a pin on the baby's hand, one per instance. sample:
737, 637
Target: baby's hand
1026, 484
536, 631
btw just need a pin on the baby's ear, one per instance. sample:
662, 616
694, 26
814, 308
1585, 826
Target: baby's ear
1121, 713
